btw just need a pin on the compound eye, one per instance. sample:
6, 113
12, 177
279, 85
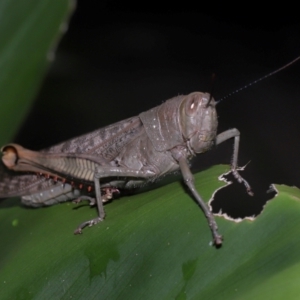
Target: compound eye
192, 104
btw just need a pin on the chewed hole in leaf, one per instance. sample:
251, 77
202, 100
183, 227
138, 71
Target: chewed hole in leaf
233, 202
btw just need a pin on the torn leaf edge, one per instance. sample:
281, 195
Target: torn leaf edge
229, 182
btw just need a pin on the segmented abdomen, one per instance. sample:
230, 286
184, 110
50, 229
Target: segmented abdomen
56, 194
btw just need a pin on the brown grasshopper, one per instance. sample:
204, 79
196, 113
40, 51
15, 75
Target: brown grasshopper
127, 155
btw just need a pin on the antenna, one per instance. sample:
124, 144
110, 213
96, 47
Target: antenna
258, 80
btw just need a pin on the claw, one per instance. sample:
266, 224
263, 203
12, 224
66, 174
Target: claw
89, 223
218, 240
250, 193
107, 194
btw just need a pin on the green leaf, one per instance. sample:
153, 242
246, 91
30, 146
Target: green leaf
29, 32
155, 245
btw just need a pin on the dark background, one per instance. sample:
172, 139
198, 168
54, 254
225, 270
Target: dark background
118, 60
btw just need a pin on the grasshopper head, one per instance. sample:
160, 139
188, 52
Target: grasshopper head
198, 120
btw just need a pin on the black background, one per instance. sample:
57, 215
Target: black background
118, 59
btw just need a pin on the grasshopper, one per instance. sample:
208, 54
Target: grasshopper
128, 155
